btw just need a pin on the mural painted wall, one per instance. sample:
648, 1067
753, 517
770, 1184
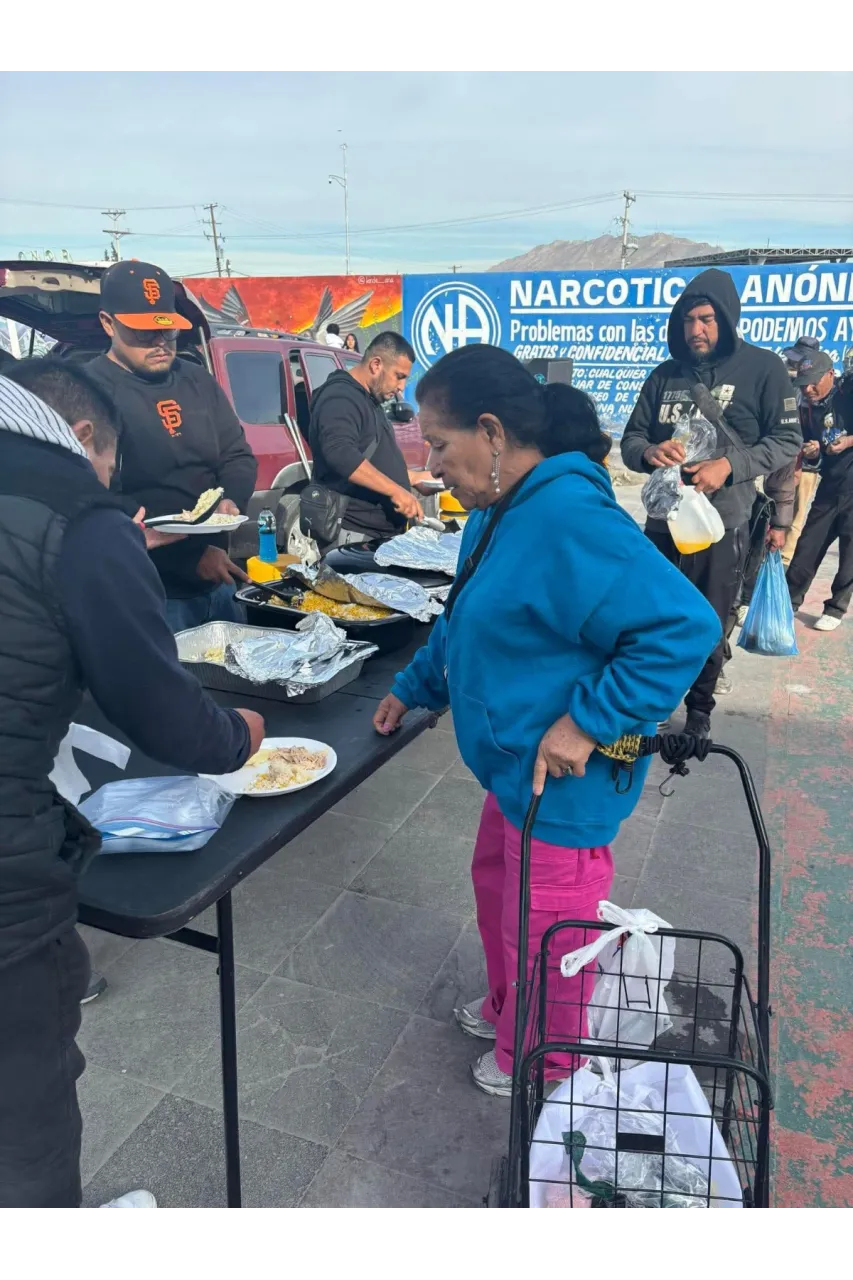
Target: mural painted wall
363, 305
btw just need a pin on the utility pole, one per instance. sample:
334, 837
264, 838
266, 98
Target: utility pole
214, 236
114, 232
629, 246
342, 181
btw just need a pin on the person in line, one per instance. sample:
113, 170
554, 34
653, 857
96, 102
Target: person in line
179, 436
778, 524
333, 336
752, 397
356, 452
808, 465
827, 418
83, 608
351, 343
571, 631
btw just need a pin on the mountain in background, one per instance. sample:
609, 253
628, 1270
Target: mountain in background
603, 254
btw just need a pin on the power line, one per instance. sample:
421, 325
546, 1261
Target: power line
90, 208
742, 195
416, 226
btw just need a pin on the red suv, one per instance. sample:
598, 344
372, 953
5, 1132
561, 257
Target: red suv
269, 377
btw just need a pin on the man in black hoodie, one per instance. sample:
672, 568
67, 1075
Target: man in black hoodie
753, 395
356, 453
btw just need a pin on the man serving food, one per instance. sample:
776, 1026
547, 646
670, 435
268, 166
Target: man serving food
179, 437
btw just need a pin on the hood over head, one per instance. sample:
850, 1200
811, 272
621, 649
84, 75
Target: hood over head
719, 288
23, 414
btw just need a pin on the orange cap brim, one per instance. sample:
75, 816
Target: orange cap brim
155, 320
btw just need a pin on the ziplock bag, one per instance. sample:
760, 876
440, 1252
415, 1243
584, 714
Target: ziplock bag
627, 1008
661, 492
157, 815
769, 624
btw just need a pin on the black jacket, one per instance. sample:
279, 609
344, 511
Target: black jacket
345, 422
178, 437
835, 410
751, 385
81, 605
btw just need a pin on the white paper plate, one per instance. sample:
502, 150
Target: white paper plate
239, 783
222, 526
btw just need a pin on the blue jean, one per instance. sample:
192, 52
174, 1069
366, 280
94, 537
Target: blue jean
214, 606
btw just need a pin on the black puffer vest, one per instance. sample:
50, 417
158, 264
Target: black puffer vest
44, 842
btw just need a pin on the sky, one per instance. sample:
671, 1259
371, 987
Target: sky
422, 148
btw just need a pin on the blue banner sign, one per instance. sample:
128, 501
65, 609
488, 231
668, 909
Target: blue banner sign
612, 324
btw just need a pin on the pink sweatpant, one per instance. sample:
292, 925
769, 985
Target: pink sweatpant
565, 884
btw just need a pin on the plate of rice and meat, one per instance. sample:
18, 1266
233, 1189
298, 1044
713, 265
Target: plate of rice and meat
204, 518
280, 766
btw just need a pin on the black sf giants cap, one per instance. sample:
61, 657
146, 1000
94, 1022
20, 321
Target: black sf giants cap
141, 296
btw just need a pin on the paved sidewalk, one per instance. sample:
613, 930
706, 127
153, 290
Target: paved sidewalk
355, 943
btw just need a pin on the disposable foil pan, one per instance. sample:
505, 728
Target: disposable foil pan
194, 643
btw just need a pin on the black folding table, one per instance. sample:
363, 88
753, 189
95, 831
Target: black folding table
157, 895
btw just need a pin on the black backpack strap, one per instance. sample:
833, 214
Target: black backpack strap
467, 570
709, 407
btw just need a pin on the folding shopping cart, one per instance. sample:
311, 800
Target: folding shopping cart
685, 1122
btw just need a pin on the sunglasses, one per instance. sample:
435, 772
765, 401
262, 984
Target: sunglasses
146, 337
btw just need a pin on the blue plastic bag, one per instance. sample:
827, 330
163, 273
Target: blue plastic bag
157, 815
769, 624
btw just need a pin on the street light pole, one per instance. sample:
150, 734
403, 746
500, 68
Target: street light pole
343, 182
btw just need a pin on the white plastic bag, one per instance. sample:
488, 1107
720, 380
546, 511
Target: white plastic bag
694, 523
67, 777
654, 1098
157, 815
628, 1008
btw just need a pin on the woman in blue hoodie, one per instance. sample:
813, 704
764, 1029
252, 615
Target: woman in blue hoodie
571, 631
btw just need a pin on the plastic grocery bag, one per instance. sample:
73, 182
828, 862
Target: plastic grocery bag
157, 815
769, 624
628, 1008
661, 492
67, 777
694, 523
679, 1158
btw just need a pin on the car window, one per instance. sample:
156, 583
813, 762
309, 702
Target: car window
257, 383
351, 361
317, 368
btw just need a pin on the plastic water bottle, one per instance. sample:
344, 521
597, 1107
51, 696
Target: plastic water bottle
267, 549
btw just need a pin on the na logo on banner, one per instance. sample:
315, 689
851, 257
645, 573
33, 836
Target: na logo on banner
453, 315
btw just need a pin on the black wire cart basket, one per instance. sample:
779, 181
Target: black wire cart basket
665, 1099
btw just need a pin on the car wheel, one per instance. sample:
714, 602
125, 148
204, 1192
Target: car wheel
287, 523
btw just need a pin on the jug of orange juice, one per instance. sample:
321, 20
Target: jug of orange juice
694, 523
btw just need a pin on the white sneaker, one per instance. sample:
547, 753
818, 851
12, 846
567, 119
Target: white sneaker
489, 1077
827, 622
742, 611
132, 1200
471, 1020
